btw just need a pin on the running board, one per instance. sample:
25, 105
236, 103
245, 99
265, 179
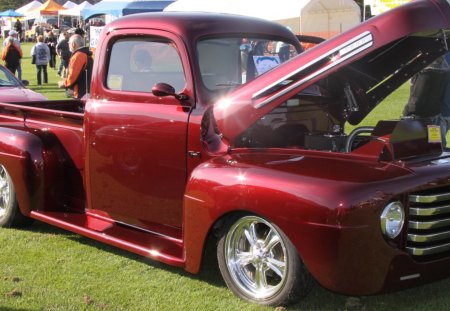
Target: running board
147, 244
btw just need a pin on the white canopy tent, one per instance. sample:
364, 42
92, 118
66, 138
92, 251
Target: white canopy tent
307, 17
69, 5
28, 7
75, 11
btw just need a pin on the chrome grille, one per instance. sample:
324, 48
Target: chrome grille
429, 224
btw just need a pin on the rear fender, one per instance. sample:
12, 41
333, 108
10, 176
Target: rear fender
37, 164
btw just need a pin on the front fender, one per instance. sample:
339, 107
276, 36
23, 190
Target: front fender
222, 186
328, 209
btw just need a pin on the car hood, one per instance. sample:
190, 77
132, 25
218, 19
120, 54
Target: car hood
19, 94
374, 58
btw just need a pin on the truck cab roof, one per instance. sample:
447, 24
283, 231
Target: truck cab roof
193, 25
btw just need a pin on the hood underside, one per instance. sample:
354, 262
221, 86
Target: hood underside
352, 72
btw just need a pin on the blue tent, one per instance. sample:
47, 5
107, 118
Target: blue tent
10, 13
121, 8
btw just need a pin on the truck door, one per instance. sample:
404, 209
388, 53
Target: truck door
137, 141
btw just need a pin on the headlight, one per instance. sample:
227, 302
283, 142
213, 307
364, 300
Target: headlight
392, 219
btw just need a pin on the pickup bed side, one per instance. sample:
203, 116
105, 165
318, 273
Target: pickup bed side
41, 146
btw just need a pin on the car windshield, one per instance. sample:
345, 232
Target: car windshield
232, 61
7, 79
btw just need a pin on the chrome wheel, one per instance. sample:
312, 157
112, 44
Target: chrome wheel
5, 192
256, 257
10, 215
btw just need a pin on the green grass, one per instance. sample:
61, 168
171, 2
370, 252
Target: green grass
45, 268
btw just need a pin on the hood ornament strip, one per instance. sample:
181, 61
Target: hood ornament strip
336, 56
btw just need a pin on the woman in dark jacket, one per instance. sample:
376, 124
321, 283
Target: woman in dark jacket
12, 55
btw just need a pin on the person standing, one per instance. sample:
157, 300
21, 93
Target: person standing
427, 91
430, 95
444, 118
13, 34
12, 55
79, 30
18, 28
42, 54
63, 50
80, 68
51, 42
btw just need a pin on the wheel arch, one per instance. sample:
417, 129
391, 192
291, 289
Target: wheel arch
201, 227
33, 160
21, 155
210, 200
196, 257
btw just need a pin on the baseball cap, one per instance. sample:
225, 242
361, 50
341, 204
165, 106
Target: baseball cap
12, 32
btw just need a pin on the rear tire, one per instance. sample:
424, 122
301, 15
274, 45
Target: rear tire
10, 215
259, 263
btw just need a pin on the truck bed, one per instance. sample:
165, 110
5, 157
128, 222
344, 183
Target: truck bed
64, 118
62, 111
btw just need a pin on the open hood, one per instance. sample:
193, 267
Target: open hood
355, 70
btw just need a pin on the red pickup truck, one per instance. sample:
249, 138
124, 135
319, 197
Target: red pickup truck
210, 127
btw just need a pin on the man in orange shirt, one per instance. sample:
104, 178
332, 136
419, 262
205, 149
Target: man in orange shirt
79, 74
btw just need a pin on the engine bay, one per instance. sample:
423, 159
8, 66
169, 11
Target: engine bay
315, 120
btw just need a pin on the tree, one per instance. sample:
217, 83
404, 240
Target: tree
12, 4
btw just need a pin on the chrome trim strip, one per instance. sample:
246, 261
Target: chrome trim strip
346, 55
429, 211
167, 237
416, 251
429, 198
123, 224
422, 225
428, 237
409, 277
286, 77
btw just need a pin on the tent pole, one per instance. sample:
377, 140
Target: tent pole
364, 10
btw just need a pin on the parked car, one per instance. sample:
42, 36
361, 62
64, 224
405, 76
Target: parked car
14, 90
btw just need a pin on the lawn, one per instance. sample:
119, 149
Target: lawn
45, 268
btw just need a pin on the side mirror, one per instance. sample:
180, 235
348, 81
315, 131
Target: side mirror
164, 89
25, 82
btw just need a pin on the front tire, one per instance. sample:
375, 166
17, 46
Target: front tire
10, 215
260, 264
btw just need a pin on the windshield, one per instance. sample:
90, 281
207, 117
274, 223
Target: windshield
6, 78
231, 61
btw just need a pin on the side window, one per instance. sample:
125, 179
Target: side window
136, 65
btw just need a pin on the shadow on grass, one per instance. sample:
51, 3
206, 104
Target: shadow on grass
427, 297
210, 272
